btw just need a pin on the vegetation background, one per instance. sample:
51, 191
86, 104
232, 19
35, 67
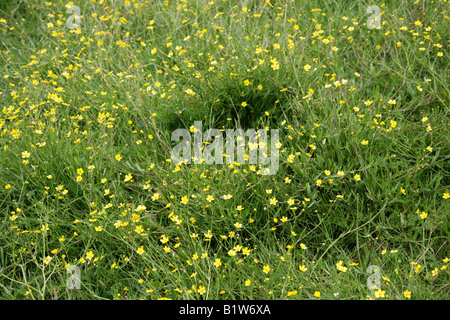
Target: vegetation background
85, 172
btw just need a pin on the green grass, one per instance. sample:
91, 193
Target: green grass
75, 100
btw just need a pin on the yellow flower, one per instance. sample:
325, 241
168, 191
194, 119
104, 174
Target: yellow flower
417, 268
89, 255
380, 293
118, 157
435, 272
189, 92
292, 293
407, 294
201, 290
47, 260
140, 208
266, 269
340, 267
184, 200
164, 239
302, 268
357, 177
26, 154
275, 65
217, 263
317, 294
140, 250
208, 235
155, 196
248, 282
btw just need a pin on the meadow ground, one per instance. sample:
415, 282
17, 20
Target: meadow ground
88, 105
